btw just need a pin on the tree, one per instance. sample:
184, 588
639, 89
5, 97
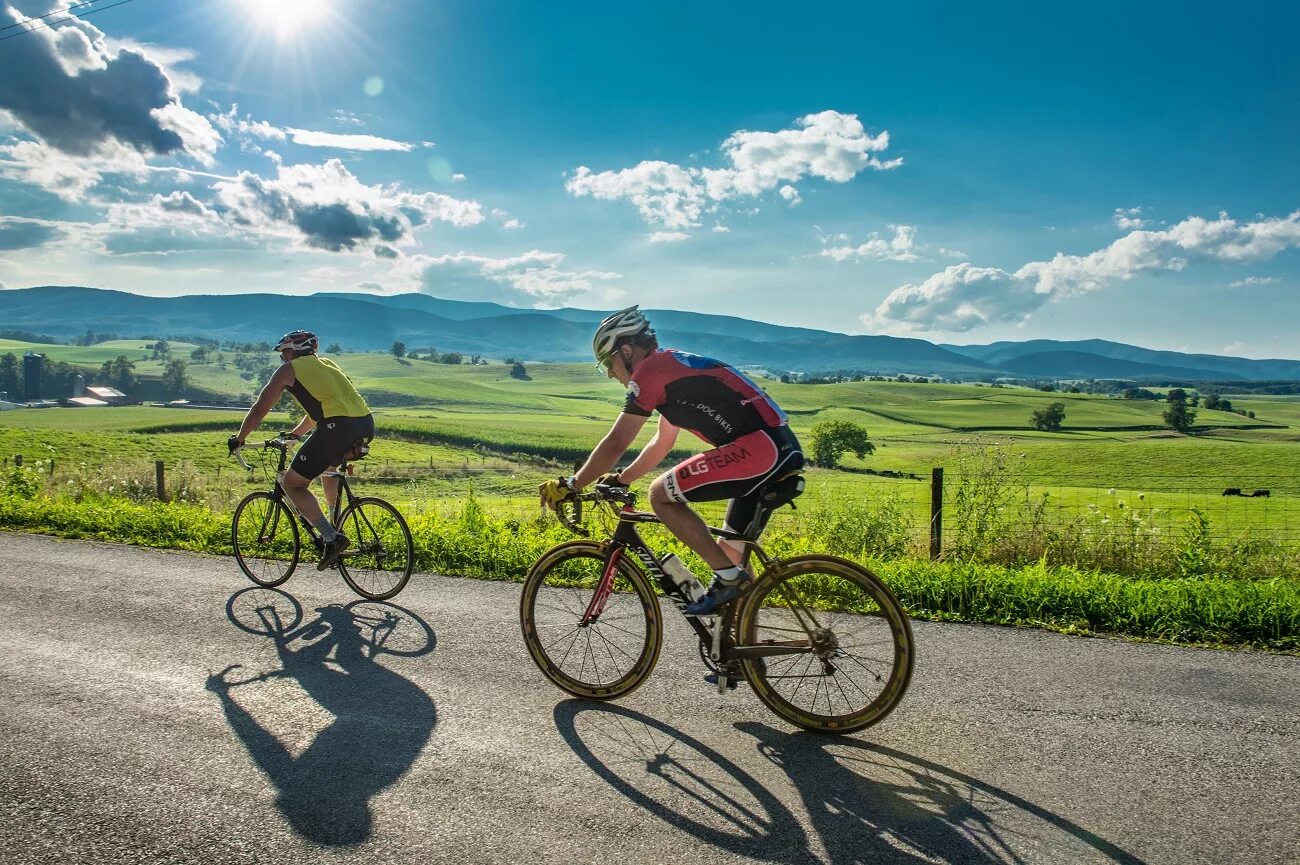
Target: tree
452, 357
334, 348
831, 439
199, 355
1049, 419
9, 381
118, 373
1179, 415
398, 349
518, 371
161, 350
174, 378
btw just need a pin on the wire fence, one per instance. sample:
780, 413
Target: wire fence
1152, 522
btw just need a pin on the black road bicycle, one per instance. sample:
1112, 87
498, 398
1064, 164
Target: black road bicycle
821, 640
267, 538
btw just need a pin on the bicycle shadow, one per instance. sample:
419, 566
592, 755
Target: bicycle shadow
380, 720
681, 781
870, 803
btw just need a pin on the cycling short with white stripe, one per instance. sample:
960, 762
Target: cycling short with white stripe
736, 471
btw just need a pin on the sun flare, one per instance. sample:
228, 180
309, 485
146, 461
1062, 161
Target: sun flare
287, 18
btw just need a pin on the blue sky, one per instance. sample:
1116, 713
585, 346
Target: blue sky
956, 172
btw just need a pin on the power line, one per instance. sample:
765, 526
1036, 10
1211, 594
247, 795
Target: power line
47, 15
85, 14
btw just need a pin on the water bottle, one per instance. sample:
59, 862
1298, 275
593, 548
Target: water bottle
689, 587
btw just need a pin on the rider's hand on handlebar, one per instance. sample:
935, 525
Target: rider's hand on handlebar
234, 443
554, 492
289, 436
611, 479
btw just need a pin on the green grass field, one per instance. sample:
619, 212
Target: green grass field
1100, 527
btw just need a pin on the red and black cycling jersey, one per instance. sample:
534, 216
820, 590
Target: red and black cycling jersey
713, 400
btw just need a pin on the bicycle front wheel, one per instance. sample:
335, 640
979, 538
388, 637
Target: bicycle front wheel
380, 558
598, 657
264, 535
855, 638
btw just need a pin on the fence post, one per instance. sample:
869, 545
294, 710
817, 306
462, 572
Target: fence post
161, 479
18, 460
936, 513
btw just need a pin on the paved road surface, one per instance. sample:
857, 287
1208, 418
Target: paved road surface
125, 742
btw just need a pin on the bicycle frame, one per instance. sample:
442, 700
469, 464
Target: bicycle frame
718, 635
282, 497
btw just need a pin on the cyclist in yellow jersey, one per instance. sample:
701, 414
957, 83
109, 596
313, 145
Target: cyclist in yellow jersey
339, 415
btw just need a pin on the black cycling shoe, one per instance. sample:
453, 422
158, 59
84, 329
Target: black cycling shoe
333, 551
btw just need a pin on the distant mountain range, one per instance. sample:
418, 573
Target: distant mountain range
366, 322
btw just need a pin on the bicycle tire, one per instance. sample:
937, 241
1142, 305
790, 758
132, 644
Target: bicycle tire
570, 573
262, 531
381, 557
861, 652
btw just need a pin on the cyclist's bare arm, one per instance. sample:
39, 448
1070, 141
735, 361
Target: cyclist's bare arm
611, 448
304, 426
653, 453
266, 400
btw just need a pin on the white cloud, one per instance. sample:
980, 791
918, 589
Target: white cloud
721, 229
247, 128
512, 225
458, 178
1232, 348
534, 278
1255, 280
962, 297
827, 145
349, 141
1128, 220
327, 207
666, 195
668, 237
900, 247
74, 91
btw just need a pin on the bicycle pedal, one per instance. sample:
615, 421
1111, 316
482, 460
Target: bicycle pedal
724, 683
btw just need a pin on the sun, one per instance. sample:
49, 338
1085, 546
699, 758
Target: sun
288, 18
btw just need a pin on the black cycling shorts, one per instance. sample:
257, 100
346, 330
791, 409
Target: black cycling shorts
334, 436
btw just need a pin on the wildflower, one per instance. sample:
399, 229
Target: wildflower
1142, 496
1110, 492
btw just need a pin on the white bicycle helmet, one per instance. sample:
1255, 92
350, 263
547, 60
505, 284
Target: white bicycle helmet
626, 322
298, 340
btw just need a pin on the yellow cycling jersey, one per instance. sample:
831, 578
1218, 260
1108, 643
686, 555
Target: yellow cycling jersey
323, 390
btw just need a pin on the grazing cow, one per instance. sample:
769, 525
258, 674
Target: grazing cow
1232, 491
1260, 494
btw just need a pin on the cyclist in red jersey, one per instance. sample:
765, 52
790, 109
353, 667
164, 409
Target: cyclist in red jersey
751, 441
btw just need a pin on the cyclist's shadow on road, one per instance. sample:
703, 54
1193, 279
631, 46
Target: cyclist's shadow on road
381, 720
864, 803
870, 803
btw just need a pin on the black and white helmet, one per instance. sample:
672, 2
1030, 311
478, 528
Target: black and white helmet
624, 323
299, 341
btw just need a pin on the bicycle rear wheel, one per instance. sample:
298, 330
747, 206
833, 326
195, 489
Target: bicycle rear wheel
610, 655
265, 538
381, 556
857, 639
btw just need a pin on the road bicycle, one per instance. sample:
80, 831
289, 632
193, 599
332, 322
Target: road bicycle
267, 539
821, 640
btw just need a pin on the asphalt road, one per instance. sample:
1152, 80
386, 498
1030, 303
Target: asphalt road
145, 719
